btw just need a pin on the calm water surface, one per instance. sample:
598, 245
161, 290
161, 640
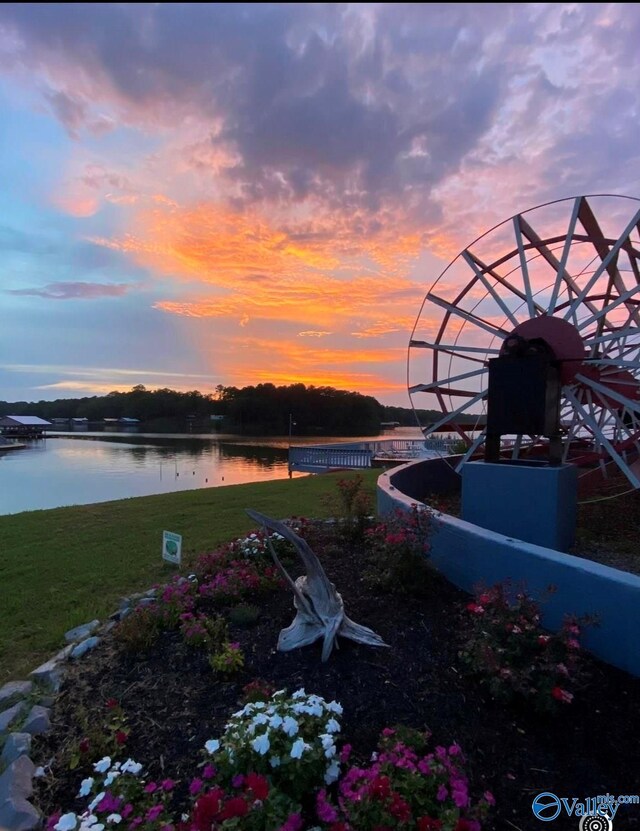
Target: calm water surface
87, 468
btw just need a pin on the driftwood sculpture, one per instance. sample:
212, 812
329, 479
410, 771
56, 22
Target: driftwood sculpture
319, 607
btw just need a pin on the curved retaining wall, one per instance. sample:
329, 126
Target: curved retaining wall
469, 555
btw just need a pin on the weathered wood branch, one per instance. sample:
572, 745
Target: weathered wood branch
319, 607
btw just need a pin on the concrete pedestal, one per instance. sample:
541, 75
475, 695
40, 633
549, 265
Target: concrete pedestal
533, 502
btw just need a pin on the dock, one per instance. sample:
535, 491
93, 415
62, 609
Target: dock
320, 458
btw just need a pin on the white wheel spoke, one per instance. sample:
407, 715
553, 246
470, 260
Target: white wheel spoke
475, 444
586, 417
507, 311
451, 416
491, 328
561, 271
442, 385
600, 269
524, 268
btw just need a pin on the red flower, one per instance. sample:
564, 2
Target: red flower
562, 695
84, 746
121, 737
399, 808
111, 703
235, 807
338, 826
258, 785
428, 824
206, 810
380, 787
475, 608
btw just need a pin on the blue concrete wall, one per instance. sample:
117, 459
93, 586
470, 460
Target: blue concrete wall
470, 556
535, 503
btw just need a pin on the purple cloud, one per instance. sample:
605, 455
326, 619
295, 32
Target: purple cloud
74, 291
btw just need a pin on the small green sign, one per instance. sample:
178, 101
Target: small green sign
171, 547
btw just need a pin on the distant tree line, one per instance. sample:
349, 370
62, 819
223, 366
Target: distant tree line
263, 409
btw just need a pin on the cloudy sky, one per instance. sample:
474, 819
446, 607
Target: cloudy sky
235, 194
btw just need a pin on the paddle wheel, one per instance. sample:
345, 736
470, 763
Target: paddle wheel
566, 276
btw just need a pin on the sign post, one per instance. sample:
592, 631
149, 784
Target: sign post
171, 547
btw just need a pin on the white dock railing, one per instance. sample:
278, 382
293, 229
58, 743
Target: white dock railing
321, 457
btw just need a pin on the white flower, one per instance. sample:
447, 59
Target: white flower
328, 745
96, 801
299, 708
332, 773
261, 718
85, 786
103, 765
261, 744
274, 761
131, 767
259, 705
113, 774
299, 693
298, 748
334, 707
66, 822
115, 818
332, 726
275, 721
212, 746
290, 726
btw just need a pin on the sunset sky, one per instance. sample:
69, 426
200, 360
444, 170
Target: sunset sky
236, 194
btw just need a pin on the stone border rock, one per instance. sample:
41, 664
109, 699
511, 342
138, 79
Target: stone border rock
25, 709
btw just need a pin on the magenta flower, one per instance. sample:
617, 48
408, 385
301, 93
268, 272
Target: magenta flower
151, 787
154, 813
238, 780
442, 793
208, 772
168, 785
326, 811
195, 786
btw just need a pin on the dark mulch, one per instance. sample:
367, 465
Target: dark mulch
174, 704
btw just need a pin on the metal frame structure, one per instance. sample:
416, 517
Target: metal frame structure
568, 272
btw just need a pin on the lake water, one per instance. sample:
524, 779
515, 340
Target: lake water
89, 468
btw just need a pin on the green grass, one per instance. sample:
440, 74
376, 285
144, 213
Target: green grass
66, 566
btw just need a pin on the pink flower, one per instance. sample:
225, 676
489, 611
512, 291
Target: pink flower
573, 644
543, 640
150, 788
168, 785
127, 810
489, 797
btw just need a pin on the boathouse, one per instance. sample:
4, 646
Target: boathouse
26, 427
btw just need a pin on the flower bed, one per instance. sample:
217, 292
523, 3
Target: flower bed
173, 702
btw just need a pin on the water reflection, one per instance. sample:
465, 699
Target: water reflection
65, 471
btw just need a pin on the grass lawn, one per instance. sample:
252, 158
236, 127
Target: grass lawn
66, 566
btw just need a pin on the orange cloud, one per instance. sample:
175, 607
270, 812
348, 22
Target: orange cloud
322, 275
